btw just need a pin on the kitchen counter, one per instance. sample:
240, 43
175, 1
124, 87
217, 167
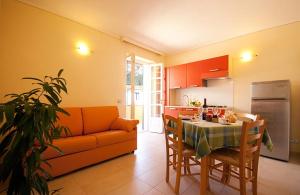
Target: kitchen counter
182, 107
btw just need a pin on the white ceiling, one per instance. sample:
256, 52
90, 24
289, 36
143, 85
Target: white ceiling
172, 26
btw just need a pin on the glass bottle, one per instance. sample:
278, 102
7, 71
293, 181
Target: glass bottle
204, 111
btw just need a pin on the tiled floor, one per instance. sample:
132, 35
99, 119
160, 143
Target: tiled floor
144, 173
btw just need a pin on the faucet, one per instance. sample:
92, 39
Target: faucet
186, 99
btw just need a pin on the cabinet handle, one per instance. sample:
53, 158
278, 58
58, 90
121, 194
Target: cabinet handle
214, 70
194, 85
172, 108
177, 87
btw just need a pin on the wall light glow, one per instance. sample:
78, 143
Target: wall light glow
83, 49
247, 56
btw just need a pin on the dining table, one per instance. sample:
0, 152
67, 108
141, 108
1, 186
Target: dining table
206, 136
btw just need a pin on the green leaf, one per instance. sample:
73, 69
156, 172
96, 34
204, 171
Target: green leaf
50, 99
12, 95
45, 172
1, 115
63, 86
46, 162
62, 111
6, 141
58, 87
60, 71
67, 131
56, 149
9, 112
49, 90
32, 92
32, 78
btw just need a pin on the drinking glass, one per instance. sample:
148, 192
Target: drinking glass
200, 111
215, 111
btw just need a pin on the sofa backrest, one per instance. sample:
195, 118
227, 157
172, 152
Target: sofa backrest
96, 119
73, 122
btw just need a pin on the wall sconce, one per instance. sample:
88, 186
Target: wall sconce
83, 49
247, 56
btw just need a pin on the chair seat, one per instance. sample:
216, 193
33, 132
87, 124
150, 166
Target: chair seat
186, 151
237, 149
228, 155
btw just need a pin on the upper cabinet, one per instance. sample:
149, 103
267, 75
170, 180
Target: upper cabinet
194, 71
194, 74
177, 76
215, 67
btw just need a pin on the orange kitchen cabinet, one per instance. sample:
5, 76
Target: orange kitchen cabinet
188, 111
194, 71
172, 111
215, 67
177, 77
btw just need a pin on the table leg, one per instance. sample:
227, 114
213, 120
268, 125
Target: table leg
204, 175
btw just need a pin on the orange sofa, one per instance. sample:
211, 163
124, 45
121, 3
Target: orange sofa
97, 134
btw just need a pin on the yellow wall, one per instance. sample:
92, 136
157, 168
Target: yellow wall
278, 58
34, 42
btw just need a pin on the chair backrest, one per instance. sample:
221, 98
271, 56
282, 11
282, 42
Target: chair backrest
173, 132
246, 117
251, 138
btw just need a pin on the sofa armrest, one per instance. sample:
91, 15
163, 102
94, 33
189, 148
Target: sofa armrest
124, 124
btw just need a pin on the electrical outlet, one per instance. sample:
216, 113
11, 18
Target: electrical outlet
119, 101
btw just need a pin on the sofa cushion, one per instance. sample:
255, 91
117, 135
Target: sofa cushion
73, 122
124, 124
112, 137
97, 119
70, 145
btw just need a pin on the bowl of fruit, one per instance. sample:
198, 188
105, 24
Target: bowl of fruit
195, 103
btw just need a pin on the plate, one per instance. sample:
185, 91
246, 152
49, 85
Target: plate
227, 123
224, 122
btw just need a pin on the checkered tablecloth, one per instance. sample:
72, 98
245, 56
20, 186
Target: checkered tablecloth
205, 136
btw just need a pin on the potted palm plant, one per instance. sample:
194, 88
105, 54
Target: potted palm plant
27, 129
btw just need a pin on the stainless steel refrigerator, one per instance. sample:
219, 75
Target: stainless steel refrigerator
271, 100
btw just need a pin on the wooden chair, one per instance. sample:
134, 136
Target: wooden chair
181, 154
248, 153
241, 117
246, 117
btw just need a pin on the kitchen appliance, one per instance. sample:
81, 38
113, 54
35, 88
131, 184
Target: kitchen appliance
271, 100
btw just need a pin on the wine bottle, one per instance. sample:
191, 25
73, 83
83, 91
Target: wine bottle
204, 110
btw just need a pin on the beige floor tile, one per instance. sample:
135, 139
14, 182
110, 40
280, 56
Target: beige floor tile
109, 183
153, 192
65, 185
135, 187
168, 188
144, 173
192, 190
153, 177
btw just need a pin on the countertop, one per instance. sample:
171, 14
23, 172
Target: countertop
181, 107
191, 106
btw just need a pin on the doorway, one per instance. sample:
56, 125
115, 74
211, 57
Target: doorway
144, 93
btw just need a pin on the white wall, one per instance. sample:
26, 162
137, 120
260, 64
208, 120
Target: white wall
217, 92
